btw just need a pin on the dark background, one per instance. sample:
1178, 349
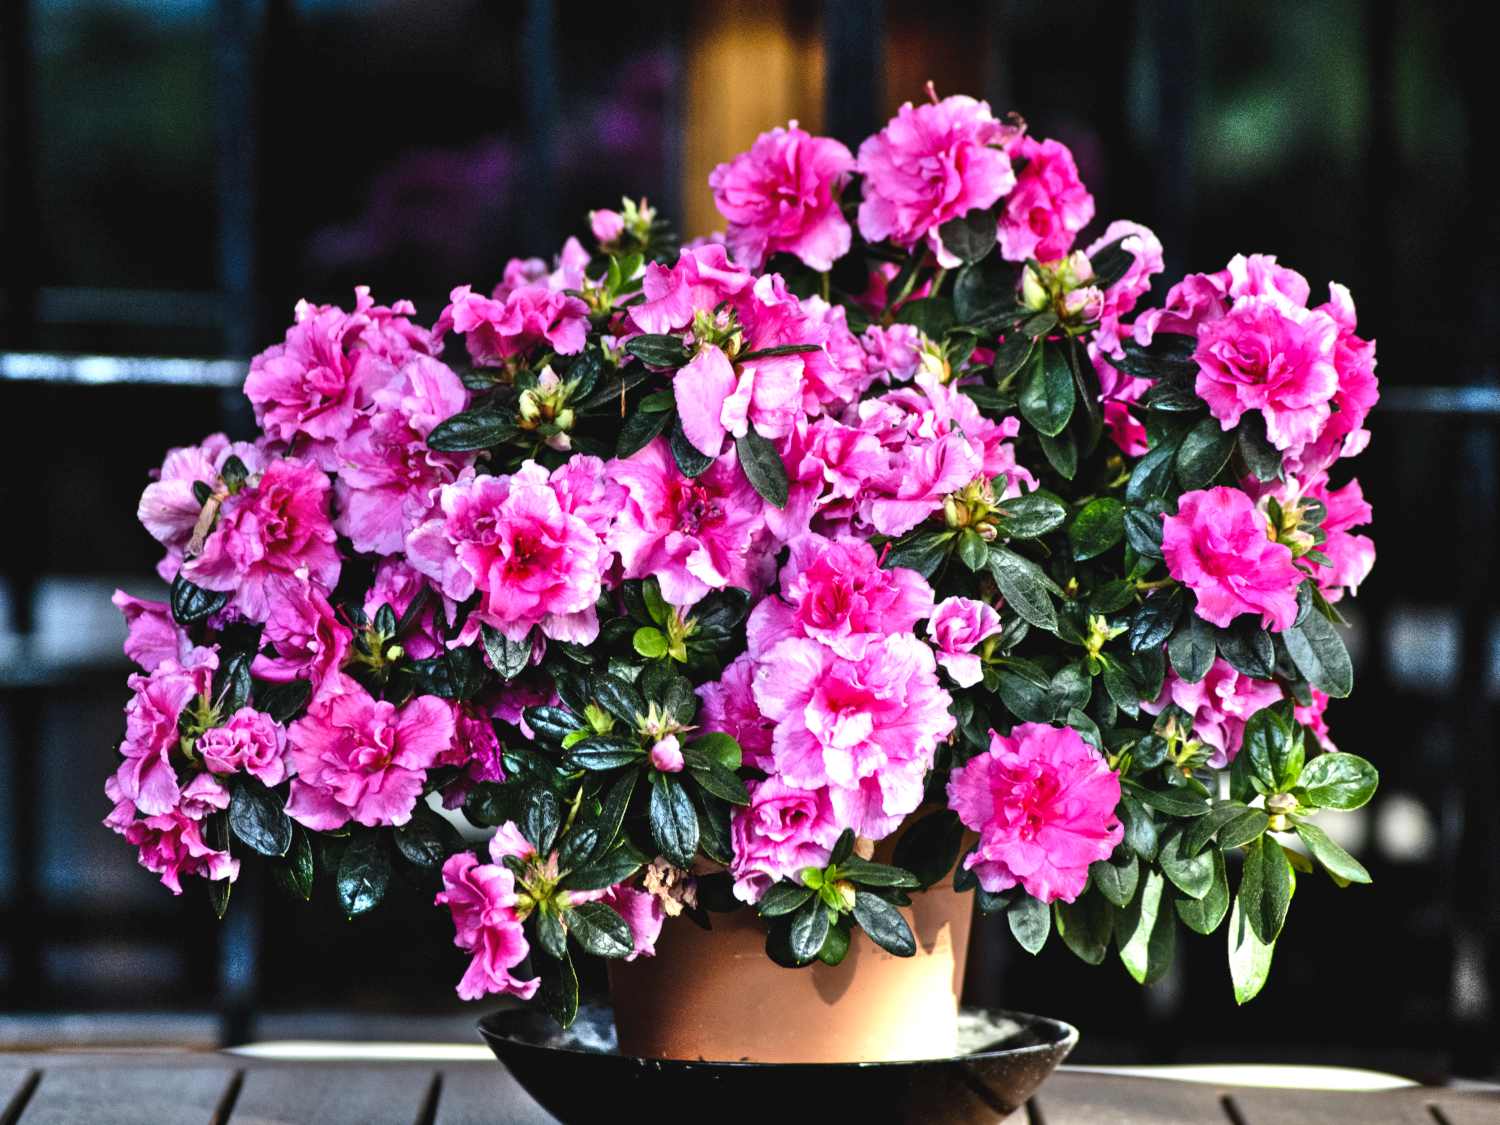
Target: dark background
174, 175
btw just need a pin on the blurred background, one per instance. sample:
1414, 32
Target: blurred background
175, 174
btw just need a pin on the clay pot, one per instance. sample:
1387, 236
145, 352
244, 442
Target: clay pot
716, 995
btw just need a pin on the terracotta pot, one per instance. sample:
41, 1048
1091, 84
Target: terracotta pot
716, 995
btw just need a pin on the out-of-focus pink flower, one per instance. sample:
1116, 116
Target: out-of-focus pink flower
729, 706
1120, 299
1048, 206
1218, 705
1217, 545
171, 843
782, 196
695, 534
250, 742
146, 776
309, 640
836, 592
781, 831
534, 561
275, 527
150, 634
1312, 718
169, 507
481, 897
606, 225
666, 754
702, 278
894, 354
528, 316
957, 627
1043, 802
866, 728
362, 759
932, 163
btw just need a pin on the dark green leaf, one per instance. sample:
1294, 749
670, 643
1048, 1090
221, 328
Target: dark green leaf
550, 934
843, 847
674, 821
1047, 392
1030, 923
1172, 398
1156, 620
923, 552
1116, 881
973, 551
718, 779
1031, 516
868, 874
835, 946
1338, 781
1249, 957
542, 820
1203, 915
1140, 829
783, 898
971, 236
1247, 648
1266, 888
1192, 648
600, 930
1245, 827
1143, 532
427, 839
763, 467
473, 429
364, 872
294, 874
719, 747
809, 931
1110, 263
1152, 475
778, 350
509, 658
1203, 454
1097, 527
1334, 859
1085, 926
641, 429
691, 462
1261, 457
1319, 653
884, 924
1180, 803
613, 812
192, 603
1061, 453
933, 315
1191, 874
1025, 587
658, 350
1011, 356
929, 847
283, 702
258, 818
552, 723
1026, 692
1146, 931
620, 698
559, 989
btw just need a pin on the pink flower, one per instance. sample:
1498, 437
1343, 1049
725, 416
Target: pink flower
701, 279
170, 509
1350, 556
829, 465
666, 754
1145, 251
643, 912
1217, 545
894, 354
481, 897
529, 315
150, 634
306, 386
251, 742
512, 700
1049, 205
867, 728
275, 528
1218, 706
932, 163
781, 831
475, 749
694, 534
783, 197
362, 759
1043, 802
606, 225
1312, 718
729, 706
309, 641
837, 593
1359, 390
386, 473
171, 843
146, 776
1117, 393
534, 561
397, 584
957, 627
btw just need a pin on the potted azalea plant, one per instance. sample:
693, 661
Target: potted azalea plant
747, 612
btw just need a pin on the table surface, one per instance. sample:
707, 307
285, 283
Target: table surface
167, 1088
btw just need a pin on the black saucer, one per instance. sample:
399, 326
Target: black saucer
579, 1077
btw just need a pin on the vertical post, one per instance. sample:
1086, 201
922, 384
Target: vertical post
235, 152
540, 97
854, 63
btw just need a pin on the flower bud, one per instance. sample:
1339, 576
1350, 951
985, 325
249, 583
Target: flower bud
1033, 291
666, 755
845, 891
607, 225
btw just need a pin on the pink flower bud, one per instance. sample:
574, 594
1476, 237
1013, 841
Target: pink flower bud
666, 755
606, 225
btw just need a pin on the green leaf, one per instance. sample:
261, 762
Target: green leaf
1146, 931
868, 874
258, 818
884, 924
930, 846
1233, 819
427, 839
552, 723
973, 551
1097, 527
1085, 926
1248, 648
933, 315
971, 236
294, 874
283, 702
1338, 781
674, 821
835, 946
641, 429
1335, 860
1047, 393
550, 934
778, 350
1155, 621
559, 989
1203, 915
1249, 957
612, 814
923, 552
1171, 802
1261, 457
600, 930
719, 747
1061, 453
689, 460
1319, 653
1110, 263
1266, 888
614, 867
763, 467
620, 698
1247, 826
657, 350
650, 642
1026, 692
1140, 829
1152, 475
809, 931
843, 847
713, 776
1143, 529
1025, 587
1116, 881
481, 428
1203, 454
542, 820
1031, 516
1030, 923
1011, 355
783, 898
509, 658
1191, 874
1192, 648
364, 872
192, 603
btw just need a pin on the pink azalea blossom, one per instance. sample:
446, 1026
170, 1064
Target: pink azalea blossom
249, 742
781, 831
363, 759
169, 507
277, 527
837, 593
526, 317
475, 749
306, 385
866, 728
1351, 557
1043, 802
729, 706
694, 534
643, 912
1120, 299
146, 777
1217, 545
894, 354
387, 475
1048, 206
1344, 434
930, 164
1218, 706
397, 584
829, 466
481, 897
309, 641
1118, 392
701, 279
606, 226
533, 561
171, 843
783, 197
151, 635
1311, 717
666, 754
957, 627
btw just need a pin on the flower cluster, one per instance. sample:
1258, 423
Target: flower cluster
896, 521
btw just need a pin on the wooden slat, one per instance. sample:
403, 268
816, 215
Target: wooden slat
483, 1093
148, 1093
1327, 1107
1094, 1099
15, 1089
333, 1094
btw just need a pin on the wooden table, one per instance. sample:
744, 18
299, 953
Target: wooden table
165, 1088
